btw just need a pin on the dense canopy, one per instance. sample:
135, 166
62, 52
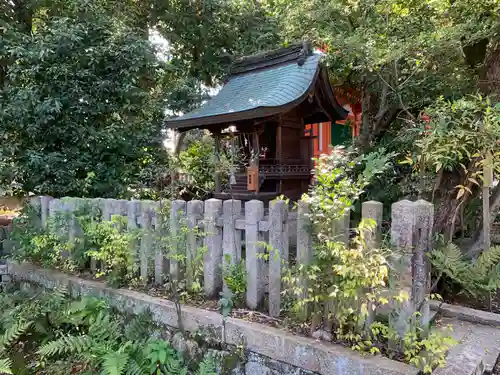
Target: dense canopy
83, 91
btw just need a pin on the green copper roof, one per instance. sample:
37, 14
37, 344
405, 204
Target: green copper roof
255, 93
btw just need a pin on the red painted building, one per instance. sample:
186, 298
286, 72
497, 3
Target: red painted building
343, 132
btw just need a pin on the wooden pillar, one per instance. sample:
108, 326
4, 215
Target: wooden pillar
217, 160
279, 145
256, 153
279, 150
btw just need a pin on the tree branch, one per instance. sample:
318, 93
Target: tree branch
386, 119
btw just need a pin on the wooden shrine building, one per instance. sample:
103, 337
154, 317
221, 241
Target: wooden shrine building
264, 110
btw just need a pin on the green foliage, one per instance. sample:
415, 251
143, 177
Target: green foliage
344, 279
235, 278
424, 351
207, 366
81, 108
226, 303
340, 178
25, 228
110, 243
203, 40
400, 55
197, 163
457, 138
475, 277
84, 335
347, 278
5, 366
428, 352
106, 241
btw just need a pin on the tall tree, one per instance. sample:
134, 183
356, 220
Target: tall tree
403, 56
81, 107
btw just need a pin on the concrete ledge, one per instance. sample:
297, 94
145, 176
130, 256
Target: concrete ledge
302, 352
465, 313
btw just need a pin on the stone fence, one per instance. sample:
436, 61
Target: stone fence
238, 232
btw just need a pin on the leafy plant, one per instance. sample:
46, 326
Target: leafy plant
84, 335
96, 117
105, 241
235, 278
427, 352
110, 243
173, 242
475, 277
226, 303
5, 366
197, 165
347, 279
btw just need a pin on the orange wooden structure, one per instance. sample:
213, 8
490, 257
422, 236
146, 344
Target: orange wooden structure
327, 134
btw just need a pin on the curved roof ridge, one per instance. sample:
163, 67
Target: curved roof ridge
294, 52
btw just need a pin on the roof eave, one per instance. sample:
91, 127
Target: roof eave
320, 81
187, 124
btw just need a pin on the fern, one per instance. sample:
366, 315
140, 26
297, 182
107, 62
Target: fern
207, 366
175, 366
5, 366
475, 277
66, 345
449, 260
139, 326
104, 326
135, 368
486, 261
13, 334
115, 363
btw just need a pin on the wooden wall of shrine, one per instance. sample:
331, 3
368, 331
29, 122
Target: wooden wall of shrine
325, 135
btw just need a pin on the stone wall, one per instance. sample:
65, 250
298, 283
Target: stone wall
269, 351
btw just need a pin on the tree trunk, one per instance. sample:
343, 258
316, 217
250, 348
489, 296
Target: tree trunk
365, 135
490, 77
446, 203
477, 237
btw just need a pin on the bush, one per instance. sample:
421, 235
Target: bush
106, 241
58, 336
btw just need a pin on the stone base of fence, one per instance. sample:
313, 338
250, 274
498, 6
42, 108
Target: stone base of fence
4, 275
258, 339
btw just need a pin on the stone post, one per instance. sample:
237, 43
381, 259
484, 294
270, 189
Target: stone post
304, 249
340, 231
213, 240
341, 227
122, 207
36, 203
97, 206
133, 210
402, 229
44, 209
194, 214
177, 235
108, 208
424, 222
254, 212
161, 229
372, 211
56, 209
76, 230
231, 237
146, 242
278, 257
